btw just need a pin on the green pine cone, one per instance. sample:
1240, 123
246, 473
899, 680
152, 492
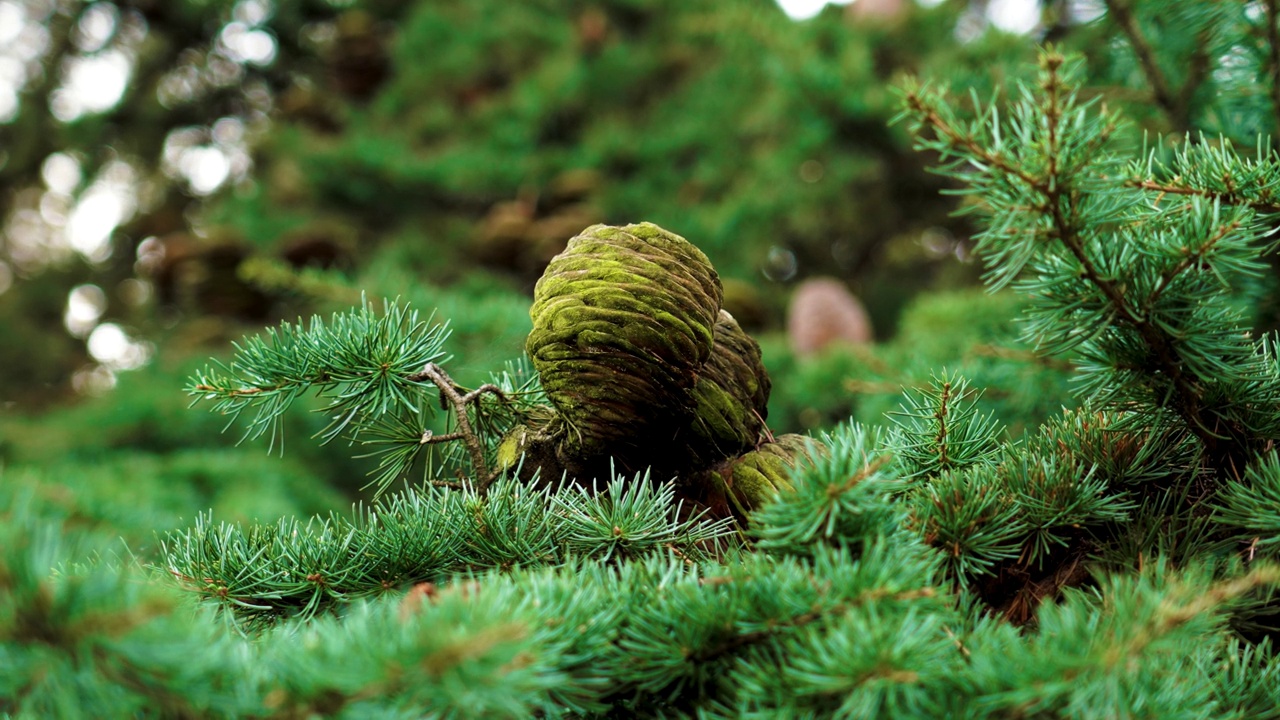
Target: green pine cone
623, 322
730, 398
751, 479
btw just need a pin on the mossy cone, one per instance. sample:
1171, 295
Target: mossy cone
752, 479
536, 453
623, 322
730, 398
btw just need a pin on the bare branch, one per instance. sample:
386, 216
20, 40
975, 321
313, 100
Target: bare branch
458, 402
487, 388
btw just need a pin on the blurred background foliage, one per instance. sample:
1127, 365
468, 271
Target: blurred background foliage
174, 175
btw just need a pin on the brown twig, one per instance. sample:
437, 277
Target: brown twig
235, 393
941, 415
1226, 198
766, 435
449, 390
1027, 356
676, 551
736, 641
1191, 258
1021, 608
1197, 71
486, 389
1146, 57
1273, 48
959, 645
868, 469
871, 387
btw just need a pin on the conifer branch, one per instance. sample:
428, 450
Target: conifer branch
1197, 72
867, 470
1272, 19
940, 428
1172, 613
380, 375
1057, 193
1226, 198
266, 572
459, 403
1193, 257
735, 643
1160, 88
1007, 353
940, 439
1213, 171
887, 570
1187, 400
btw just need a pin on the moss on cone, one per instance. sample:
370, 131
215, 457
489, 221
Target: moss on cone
730, 398
748, 481
645, 370
623, 321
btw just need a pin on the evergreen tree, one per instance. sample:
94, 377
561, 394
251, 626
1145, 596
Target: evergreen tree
387, 145
1116, 560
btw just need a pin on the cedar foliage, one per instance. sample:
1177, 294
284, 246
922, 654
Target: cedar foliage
1116, 560
398, 145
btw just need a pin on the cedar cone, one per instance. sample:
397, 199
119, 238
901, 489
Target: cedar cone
645, 370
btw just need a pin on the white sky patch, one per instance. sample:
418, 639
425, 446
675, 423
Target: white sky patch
96, 26
29, 242
251, 12
8, 102
96, 216
805, 9
207, 159
150, 255
85, 306
228, 131
55, 208
109, 201
32, 39
1014, 16
61, 173
95, 380
110, 345
91, 85
1090, 10
107, 342
13, 75
205, 167
12, 18
247, 45
13, 71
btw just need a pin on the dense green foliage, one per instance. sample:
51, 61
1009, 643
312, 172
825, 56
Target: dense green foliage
403, 145
1058, 499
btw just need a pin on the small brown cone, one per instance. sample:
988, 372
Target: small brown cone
823, 312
